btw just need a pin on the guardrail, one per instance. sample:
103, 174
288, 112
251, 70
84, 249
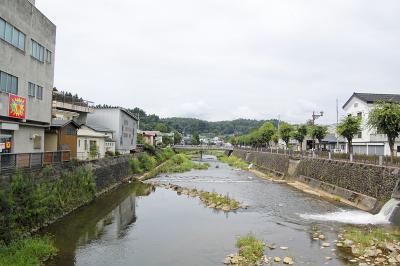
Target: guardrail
13, 161
202, 147
356, 158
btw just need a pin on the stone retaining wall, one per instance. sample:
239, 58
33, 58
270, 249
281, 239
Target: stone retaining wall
371, 180
375, 181
277, 163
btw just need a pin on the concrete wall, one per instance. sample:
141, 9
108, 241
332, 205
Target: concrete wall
23, 139
28, 19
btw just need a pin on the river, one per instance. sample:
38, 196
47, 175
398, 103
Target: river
137, 224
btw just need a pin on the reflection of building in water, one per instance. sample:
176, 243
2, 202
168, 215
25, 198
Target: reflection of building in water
114, 224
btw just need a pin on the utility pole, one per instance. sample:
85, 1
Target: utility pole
315, 117
337, 123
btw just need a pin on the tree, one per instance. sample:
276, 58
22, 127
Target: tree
196, 139
300, 134
275, 139
266, 131
285, 132
161, 127
177, 137
385, 117
349, 127
318, 132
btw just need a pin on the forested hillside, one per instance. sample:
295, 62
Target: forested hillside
191, 125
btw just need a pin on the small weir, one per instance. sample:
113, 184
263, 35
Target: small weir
388, 214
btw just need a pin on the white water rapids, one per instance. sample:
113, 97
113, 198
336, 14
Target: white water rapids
357, 217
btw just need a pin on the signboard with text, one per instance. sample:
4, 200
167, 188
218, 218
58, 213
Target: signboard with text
16, 106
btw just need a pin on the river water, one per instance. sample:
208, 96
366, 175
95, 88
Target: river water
138, 224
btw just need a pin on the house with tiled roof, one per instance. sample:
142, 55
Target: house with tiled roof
369, 141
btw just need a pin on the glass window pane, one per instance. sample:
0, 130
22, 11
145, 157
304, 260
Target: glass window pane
41, 54
8, 83
3, 81
2, 28
14, 85
9, 31
21, 41
15, 37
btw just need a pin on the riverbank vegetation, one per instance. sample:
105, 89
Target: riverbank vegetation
178, 163
28, 204
233, 161
149, 160
218, 201
29, 251
370, 244
251, 252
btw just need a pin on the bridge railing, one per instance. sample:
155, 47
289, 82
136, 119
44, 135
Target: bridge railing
202, 147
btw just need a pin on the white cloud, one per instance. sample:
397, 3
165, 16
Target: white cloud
222, 59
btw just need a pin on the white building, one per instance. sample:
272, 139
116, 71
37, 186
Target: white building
368, 141
123, 123
94, 142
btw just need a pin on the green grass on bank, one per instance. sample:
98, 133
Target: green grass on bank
27, 252
250, 248
365, 237
179, 163
219, 200
233, 161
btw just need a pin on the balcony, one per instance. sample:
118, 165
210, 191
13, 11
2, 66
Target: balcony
68, 102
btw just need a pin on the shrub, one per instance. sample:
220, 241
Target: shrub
250, 248
134, 164
168, 153
27, 204
147, 162
149, 149
30, 251
110, 153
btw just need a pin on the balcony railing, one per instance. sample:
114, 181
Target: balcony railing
70, 102
13, 161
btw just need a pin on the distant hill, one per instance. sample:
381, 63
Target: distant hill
191, 125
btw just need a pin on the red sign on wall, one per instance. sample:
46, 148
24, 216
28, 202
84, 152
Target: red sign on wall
16, 106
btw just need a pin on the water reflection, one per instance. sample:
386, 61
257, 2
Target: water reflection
108, 218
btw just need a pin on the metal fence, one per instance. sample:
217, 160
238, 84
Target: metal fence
356, 158
13, 161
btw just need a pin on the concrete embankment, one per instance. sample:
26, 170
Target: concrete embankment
361, 185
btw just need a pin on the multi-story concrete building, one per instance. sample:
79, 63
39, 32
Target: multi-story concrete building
120, 121
369, 141
27, 47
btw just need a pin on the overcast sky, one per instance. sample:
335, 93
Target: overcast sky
226, 59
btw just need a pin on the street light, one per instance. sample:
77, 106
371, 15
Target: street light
315, 117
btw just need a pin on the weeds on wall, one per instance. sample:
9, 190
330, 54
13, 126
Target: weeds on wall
147, 161
28, 204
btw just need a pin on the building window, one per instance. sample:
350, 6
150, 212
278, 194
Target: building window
48, 56
79, 143
37, 51
37, 142
31, 89
35, 90
12, 35
85, 145
359, 114
70, 131
8, 83
359, 135
398, 148
39, 93
355, 104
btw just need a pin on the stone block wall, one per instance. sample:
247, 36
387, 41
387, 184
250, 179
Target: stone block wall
375, 181
278, 163
371, 180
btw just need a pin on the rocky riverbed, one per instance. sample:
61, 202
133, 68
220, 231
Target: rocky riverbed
211, 200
